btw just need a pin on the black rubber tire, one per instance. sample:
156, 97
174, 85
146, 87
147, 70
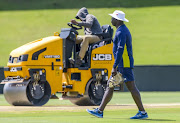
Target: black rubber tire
44, 99
89, 99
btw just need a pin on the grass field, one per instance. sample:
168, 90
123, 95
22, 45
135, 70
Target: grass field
122, 98
155, 30
161, 115
119, 110
154, 25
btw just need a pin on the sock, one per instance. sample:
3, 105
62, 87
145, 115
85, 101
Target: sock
143, 112
100, 111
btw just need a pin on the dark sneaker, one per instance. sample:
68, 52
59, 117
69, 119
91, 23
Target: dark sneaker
140, 115
95, 112
78, 61
71, 61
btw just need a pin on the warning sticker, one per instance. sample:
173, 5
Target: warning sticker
57, 72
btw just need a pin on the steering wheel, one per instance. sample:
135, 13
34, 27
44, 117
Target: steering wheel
74, 26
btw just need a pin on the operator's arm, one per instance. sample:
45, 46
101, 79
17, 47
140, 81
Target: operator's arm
88, 23
120, 48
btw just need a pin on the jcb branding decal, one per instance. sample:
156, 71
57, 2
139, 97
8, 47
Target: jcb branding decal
51, 56
102, 57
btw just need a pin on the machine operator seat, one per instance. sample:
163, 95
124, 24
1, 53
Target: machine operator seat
107, 32
106, 39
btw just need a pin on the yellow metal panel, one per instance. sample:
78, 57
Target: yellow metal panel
23, 74
104, 60
53, 45
54, 77
46, 60
78, 86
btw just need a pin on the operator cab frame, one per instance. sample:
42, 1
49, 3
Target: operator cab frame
71, 49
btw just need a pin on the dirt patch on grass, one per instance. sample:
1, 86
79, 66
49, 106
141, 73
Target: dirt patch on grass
78, 108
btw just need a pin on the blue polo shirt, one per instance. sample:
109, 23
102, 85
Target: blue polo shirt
122, 48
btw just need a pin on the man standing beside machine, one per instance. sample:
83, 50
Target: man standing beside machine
124, 63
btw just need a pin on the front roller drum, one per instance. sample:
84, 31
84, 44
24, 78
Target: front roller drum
27, 93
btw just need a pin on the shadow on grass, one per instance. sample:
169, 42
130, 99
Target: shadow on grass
158, 120
76, 4
142, 119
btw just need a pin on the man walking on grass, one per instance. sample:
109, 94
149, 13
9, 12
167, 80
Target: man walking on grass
124, 63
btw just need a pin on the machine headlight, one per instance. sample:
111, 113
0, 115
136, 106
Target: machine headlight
19, 59
23, 58
10, 59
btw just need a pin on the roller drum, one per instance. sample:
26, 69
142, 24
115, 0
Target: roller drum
25, 94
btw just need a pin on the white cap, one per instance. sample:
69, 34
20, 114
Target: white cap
119, 15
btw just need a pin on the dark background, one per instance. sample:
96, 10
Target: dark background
76, 4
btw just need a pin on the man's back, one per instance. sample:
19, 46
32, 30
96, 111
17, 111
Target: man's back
95, 28
123, 41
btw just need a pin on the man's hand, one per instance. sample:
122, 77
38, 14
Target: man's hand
113, 72
74, 21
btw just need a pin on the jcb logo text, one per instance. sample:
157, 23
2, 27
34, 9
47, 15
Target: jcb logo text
102, 57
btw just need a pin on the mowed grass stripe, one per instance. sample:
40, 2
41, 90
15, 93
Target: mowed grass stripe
166, 115
120, 98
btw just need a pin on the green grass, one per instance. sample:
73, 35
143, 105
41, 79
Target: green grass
154, 27
161, 115
121, 98
147, 97
156, 115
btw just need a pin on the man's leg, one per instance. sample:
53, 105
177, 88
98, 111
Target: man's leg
79, 39
98, 112
129, 81
106, 98
142, 114
87, 39
135, 94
